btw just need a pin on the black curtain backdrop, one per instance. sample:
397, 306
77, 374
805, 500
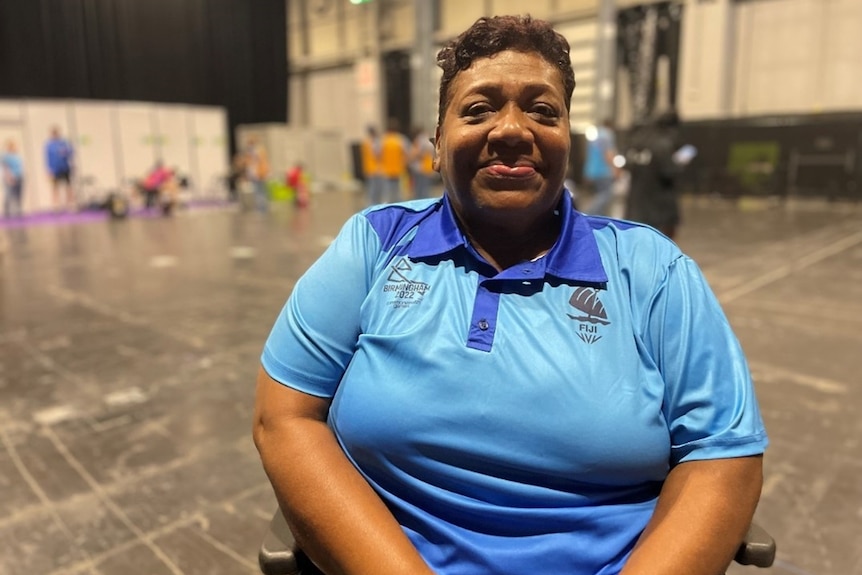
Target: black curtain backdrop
230, 53
639, 56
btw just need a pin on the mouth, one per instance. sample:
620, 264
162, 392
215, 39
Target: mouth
516, 170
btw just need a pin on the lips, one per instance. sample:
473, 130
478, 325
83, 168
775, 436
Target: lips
511, 171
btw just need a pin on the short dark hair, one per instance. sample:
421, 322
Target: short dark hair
489, 36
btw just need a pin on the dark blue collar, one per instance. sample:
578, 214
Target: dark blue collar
575, 256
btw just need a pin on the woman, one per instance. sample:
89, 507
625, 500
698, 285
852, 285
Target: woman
494, 383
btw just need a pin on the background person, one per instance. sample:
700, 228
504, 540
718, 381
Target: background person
236, 176
257, 171
653, 197
59, 157
13, 180
151, 185
421, 163
394, 149
371, 166
599, 169
297, 180
414, 411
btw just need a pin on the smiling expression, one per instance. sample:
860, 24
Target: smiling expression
503, 144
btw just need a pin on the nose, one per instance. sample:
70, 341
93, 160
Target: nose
512, 127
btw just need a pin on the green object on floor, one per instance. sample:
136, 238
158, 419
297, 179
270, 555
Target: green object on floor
279, 192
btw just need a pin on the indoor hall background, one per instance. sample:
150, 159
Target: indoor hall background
212, 52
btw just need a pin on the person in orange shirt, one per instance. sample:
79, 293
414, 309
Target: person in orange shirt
422, 163
371, 166
394, 149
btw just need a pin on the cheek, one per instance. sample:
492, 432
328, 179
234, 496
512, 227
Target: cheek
558, 153
448, 160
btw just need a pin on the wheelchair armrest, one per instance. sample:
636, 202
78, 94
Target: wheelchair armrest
758, 548
277, 555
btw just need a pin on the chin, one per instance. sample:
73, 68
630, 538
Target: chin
510, 202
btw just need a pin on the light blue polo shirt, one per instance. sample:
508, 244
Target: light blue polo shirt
521, 421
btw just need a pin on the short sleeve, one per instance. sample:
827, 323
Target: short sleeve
709, 402
314, 337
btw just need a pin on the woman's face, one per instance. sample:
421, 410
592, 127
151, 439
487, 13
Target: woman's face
503, 145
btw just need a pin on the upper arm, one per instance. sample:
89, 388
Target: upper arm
709, 403
314, 337
275, 403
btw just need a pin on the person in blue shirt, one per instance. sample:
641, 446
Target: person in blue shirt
13, 180
599, 168
494, 383
59, 157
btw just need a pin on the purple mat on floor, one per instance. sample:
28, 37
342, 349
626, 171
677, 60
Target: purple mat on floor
88, 216
53, 218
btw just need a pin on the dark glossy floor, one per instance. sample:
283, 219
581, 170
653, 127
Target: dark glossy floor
128, 352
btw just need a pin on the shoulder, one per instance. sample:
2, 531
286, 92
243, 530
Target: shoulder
637, 250
393, 222
629, 234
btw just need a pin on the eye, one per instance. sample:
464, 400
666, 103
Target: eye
477, 110
544, 111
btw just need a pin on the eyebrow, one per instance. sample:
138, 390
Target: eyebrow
526, 91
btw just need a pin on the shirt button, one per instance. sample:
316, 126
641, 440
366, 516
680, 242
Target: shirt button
483, 324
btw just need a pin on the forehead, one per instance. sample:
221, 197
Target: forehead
509, 68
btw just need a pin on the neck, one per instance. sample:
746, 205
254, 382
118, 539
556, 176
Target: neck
506, 245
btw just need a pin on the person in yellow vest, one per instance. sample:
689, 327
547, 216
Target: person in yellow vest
422, 163
394, 148
371, 166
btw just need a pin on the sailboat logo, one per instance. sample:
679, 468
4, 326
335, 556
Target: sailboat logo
592, 313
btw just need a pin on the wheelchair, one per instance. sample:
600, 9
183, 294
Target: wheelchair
279, 554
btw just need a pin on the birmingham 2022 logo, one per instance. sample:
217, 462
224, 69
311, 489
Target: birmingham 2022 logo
404, 291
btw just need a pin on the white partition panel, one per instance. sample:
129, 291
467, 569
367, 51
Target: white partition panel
115, 142
296, 148
40, 117
173, 137
10, 111
135, 122
209, 151
328, 157
95, 140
